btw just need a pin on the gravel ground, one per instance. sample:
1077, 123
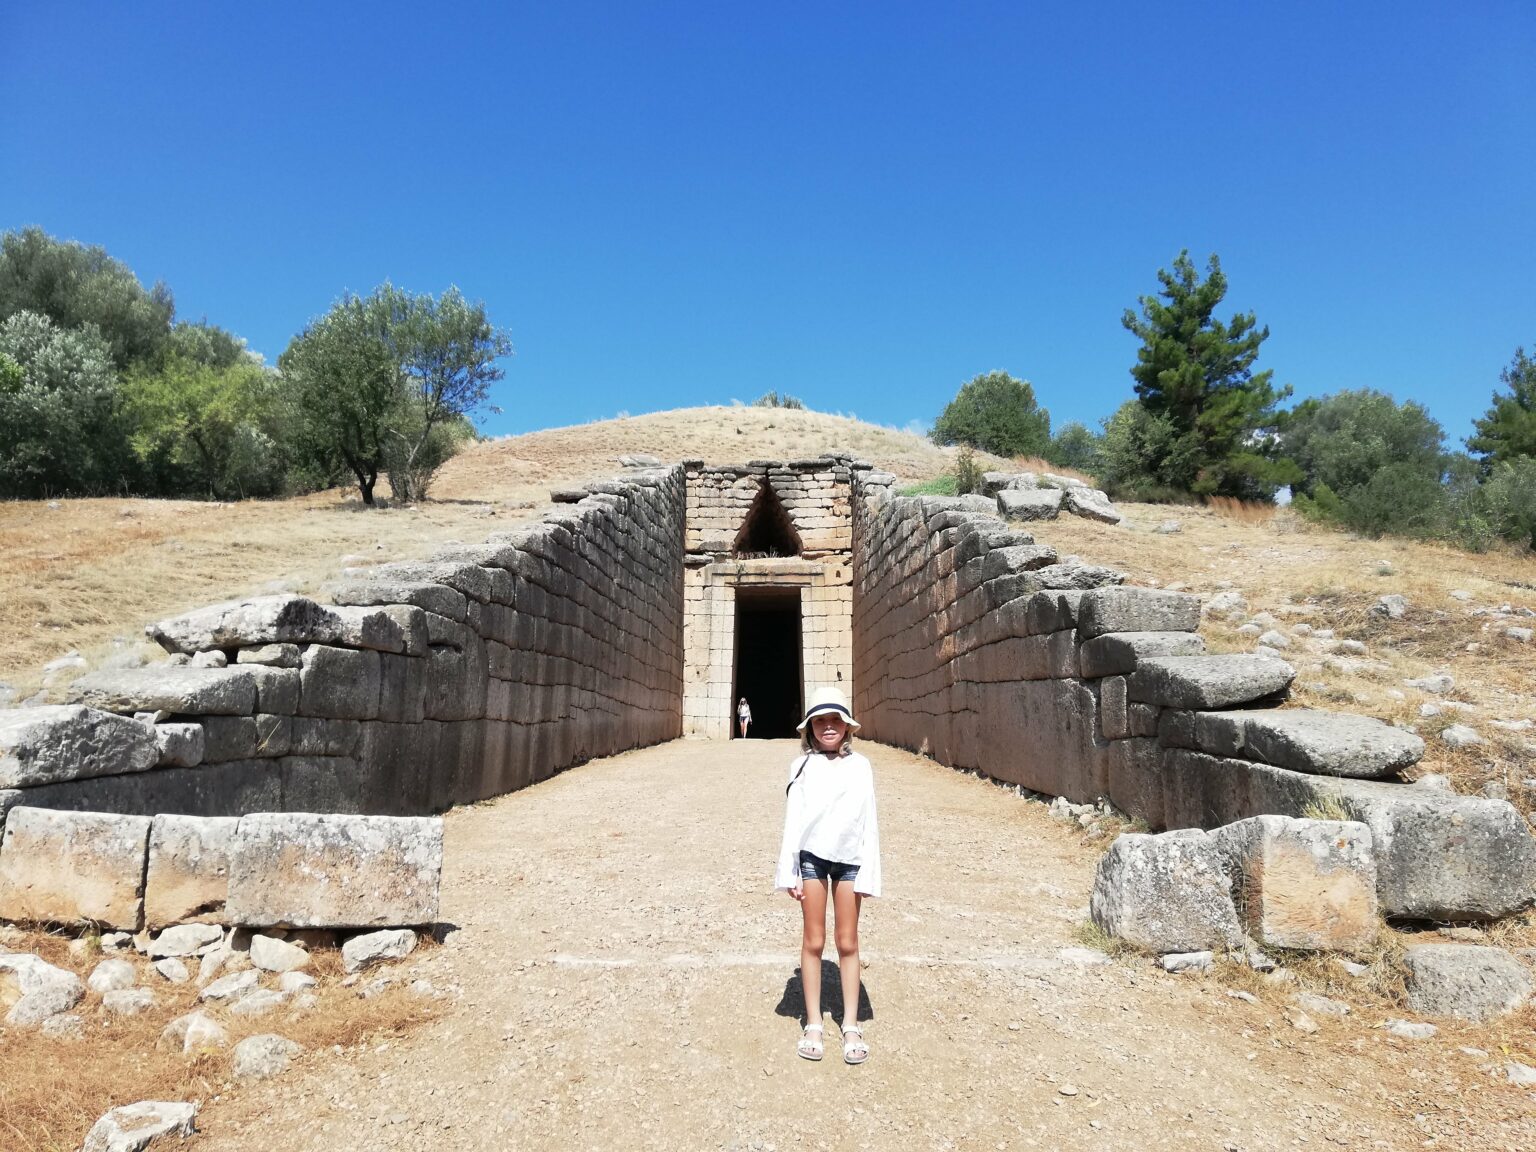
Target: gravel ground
626, 979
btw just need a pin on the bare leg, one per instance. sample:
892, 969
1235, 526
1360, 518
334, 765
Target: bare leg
845, 907
813, 910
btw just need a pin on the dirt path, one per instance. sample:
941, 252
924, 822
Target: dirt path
626, 980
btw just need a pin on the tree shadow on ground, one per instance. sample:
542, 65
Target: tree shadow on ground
792, 1003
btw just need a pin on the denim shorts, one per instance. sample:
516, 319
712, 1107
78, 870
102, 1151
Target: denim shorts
813, 867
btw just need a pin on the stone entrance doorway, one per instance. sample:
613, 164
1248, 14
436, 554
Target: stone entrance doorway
767, 668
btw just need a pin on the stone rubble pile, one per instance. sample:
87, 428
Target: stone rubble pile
977, 644
1044, 496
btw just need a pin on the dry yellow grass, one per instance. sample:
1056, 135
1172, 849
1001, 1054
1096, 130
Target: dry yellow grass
52, 1090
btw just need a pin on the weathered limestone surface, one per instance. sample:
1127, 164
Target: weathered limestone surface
1308, 884
186, 691
243, 623
1117, 653
1205, 682
1329, 743
1136, 610
310, 871
135, 1127
73, 868
1167, 893
188, 874
1467, 981
1029, 504
43, 745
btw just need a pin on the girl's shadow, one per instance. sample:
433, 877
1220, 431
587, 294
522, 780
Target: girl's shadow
792, 1003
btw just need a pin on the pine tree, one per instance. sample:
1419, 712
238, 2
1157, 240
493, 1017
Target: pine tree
1508, 429
1196, 374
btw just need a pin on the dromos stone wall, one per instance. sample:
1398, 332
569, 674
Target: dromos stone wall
977, 644
420, 686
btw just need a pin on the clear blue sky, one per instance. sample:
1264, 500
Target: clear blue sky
863, 205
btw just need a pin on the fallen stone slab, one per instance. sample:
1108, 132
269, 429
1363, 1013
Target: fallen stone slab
1207, 682
1091, 504
260, 1057
1136, 610
1118, 653
1466, 981
1304, 740
179, 690
188, 876
285, 619
50, 743
73, 868
1304, 884
1439, 856
321, 871
1029, 503
1166, 893
43, 990
365, 951
135, 1127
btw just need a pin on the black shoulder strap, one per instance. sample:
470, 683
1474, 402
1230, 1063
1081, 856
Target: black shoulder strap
796, 776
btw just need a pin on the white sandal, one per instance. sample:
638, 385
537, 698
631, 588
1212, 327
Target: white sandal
808, 1048
855, 1050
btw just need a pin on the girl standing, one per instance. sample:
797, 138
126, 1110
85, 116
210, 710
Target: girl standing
831, 838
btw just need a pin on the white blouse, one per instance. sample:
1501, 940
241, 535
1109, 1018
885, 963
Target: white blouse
830, 812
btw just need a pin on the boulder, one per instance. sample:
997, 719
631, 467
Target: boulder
182, 690
185, 940
73, 868
135, 1127
273, 955
1117, 653
50, 743
1468, 981
1136, 610
1029, 503
1304, 884
41, 990
1091, 504
1326, 743
319, 871
128, 1001
1166, 893
193, 1033
1207, 682
188, 876
112, 975
364, 951
247, 623
230, 987
258, 1057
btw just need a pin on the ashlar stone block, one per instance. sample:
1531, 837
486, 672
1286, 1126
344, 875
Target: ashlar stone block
73, 868
188, 876
1307, 884
45, 745
324, 871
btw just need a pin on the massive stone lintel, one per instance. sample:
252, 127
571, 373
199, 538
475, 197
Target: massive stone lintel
1207, 682
69, 742
319, 871
1327, 743
73, 868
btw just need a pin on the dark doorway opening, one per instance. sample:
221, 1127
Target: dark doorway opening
767, 665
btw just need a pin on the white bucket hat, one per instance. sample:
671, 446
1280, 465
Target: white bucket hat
825, 701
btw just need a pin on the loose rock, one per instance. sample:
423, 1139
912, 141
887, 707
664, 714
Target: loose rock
134, 1127
112, 976
259, 1057
128, 1001
273, 955
193, 1032
1467, 981
364, 951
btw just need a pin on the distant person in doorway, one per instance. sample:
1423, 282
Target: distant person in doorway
743, 716
831, 839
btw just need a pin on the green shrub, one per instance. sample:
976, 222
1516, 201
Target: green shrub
774, 400
967, 472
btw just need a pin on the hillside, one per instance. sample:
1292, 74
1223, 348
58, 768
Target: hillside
85, 575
